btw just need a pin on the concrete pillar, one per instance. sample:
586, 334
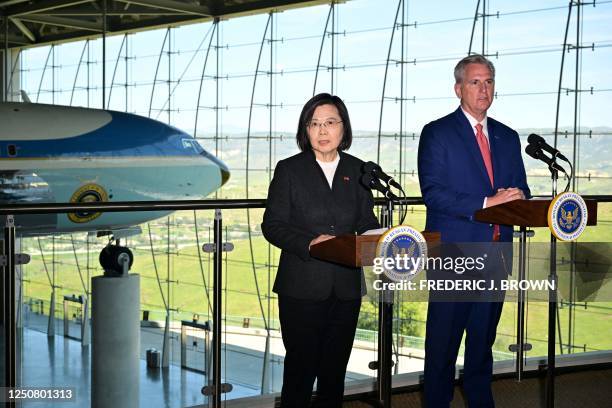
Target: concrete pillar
115, 341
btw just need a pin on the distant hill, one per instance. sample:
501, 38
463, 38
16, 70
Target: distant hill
594, 152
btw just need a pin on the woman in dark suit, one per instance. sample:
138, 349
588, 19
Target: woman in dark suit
314, 196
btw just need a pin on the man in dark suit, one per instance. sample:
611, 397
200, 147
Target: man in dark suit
314, 196
466, 161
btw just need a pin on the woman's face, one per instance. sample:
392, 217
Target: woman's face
325, 131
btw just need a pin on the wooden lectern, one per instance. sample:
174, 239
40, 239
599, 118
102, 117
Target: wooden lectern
532, 213
526, 213
355, 250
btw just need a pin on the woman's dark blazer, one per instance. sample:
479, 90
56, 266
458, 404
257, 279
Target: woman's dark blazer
300, 207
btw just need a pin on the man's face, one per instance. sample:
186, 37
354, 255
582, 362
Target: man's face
476, 90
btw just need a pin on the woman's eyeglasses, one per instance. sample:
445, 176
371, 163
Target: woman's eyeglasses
327, 124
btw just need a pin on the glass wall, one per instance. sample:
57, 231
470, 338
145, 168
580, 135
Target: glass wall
238, 87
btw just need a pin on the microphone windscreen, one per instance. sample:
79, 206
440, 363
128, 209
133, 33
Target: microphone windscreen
535, 139
368, 167
366, 180
533, 150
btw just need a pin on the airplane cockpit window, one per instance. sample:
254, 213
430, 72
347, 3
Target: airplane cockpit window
191, 144
201, 149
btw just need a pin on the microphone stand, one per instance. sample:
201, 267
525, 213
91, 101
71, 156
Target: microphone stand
385, 325
384, 362
552, 300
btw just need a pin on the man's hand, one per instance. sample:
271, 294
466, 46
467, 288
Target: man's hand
504, 195
320, 238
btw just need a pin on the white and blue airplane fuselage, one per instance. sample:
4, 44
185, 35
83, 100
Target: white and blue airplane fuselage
58, 154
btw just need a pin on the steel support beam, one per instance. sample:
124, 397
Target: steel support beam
24, 30
63, 22
40, 6
172, 5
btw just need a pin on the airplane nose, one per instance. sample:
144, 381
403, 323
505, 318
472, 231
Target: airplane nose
225, 175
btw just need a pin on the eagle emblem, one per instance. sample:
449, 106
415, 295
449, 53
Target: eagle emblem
401, 251
567, 216
569, 219
407, 248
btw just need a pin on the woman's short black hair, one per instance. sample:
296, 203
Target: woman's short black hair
306, 115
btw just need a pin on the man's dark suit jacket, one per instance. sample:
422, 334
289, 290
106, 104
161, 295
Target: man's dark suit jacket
454, 180
454, 183
300, 207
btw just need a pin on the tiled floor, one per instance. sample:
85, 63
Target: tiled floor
59, 362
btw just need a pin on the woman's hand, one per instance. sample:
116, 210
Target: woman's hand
320, 238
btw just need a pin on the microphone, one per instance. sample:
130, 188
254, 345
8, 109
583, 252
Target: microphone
371, 182
541, 143
534, 151
376, 171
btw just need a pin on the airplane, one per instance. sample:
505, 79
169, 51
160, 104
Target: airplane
61, 154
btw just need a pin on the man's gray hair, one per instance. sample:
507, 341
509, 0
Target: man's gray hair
472, 59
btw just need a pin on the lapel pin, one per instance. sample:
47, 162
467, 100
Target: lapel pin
346, 178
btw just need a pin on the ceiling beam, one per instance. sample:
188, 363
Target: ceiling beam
261, 6
12, 2
66, 37
63, 22
172, 5
139, 15
92, 13
14, 40
24, 30
71, 36
40, 6
146, 24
